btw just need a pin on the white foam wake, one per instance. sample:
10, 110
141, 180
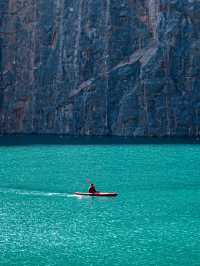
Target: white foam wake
33, 192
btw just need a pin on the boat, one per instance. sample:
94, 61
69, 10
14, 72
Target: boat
97, 194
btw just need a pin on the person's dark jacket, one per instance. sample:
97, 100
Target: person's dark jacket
92, 189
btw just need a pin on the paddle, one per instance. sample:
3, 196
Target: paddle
88, 181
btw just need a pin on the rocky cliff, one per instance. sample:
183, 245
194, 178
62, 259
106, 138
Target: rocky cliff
100, 67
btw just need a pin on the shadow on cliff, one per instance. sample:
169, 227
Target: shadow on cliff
17, 140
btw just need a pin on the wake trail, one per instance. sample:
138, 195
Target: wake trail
34, 193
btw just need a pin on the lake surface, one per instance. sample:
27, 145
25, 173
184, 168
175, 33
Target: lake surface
155, 220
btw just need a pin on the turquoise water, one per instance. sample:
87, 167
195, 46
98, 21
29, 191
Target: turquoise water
155, 220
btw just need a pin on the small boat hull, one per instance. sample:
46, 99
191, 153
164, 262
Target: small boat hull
97, 194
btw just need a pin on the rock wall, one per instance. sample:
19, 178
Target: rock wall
100, 67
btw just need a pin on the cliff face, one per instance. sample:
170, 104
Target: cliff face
100, 67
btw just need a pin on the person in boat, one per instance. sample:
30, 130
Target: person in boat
92, 189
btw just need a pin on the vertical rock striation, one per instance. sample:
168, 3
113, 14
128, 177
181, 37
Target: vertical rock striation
100, 67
